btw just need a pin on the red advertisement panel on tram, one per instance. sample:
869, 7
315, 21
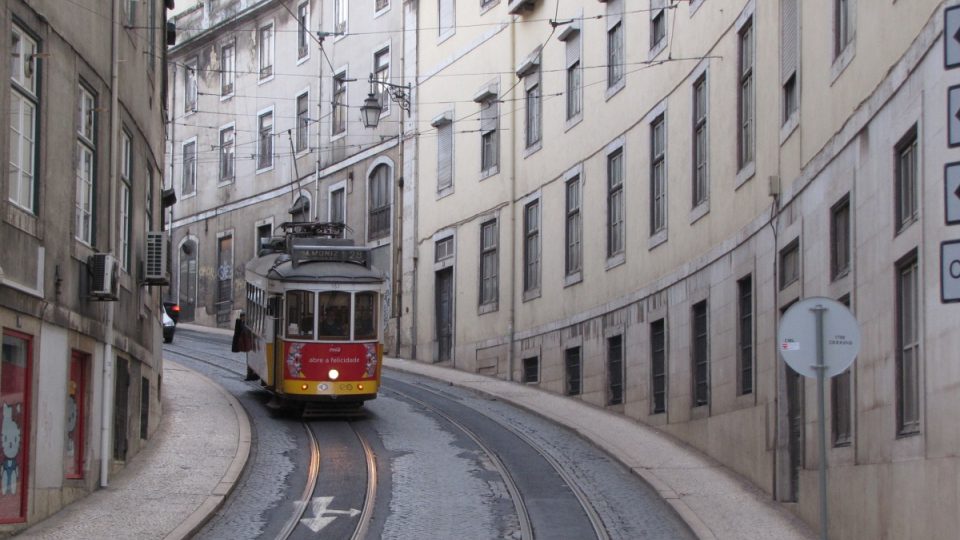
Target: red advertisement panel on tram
353, 361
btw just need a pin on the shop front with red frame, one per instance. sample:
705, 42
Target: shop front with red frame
16, 364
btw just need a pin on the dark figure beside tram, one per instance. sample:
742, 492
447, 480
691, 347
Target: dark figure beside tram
312, 330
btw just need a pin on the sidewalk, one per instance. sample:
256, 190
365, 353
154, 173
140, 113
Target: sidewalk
178, 481
714, 502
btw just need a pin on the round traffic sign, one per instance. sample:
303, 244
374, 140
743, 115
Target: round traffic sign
797, 336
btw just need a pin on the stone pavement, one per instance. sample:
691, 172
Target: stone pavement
713, 501
177, 481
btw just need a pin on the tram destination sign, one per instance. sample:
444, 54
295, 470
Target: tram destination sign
315, 253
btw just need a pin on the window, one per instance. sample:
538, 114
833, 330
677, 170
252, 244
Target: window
572, 368
789, 55
745, 335
300, 210
574, 77
842, 26
443, 249
149, 203
488, 263
337, 205
303, 29
302, 122
700, 159
227, 153
790, 264
701, 356
840, 238
906, 178
615, 203
381, 72
381, 5
188, 184
151, 36
444, 156
789, 97
265, 140
658, 367
489, 136
574, 230
447, 17
300, 313
144, 407
745, 97
658, 24
22, 179
531, 247
266, 51
908, 346
615, 370
841, 406
340, 17
264, 232
379, 207
658, 176
531, 370
532, 102
364, 315
86, 159
130, 13
190, 89
339, 123
126, 173
615, 58
228, 66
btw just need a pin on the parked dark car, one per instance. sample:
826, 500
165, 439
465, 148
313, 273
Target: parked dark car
169, 318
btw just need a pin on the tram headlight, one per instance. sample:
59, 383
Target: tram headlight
333, 374
303, 387
359, 387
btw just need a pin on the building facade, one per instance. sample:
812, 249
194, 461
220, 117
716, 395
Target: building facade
617, 201
265, 128
80, 377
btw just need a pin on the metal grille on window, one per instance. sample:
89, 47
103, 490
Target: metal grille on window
572, 365
224, 300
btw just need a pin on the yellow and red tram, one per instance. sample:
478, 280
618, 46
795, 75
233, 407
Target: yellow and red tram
313, 309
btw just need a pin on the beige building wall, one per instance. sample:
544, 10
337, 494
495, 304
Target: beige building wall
855, 105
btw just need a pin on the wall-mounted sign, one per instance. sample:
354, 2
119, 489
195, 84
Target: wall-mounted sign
950, 271
951, 37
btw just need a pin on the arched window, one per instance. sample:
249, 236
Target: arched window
378, 193
300, 211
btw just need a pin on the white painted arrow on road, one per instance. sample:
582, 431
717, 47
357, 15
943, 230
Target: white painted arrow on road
322, 514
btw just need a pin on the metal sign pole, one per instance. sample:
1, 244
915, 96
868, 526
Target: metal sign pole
821, 369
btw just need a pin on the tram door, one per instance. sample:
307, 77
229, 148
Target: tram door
444, 315
188, 281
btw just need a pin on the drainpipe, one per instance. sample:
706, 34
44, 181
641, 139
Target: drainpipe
511, 324
416, 182
107, 404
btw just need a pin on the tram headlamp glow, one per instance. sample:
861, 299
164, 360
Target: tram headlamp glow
333, 374
303, 387
359, 387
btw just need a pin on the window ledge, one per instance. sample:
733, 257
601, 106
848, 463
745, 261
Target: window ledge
530, 150
531, 294
489, 172
616, 260
573, 279
570, 123
658, 48
23, 220
447, 35
746, 173
338, 136
226, 96
379, 242
616, 88
841, 62
699, 211
304, 58
488, 308
225, 183
658, 238
445, 192
488, 6
265, 169
265, 80
790, 126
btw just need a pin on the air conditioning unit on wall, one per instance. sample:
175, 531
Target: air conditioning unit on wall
156, 267
104, 277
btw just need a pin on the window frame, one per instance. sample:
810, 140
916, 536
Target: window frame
746, 95
375, 212
746, 336
85, 202
658, 356
338, 97
532, 268
303, 31
191, 86
125, 202
568, 370
25, 88
489, 136
840, 238
700, 354
489, 297
230, 155
262, 136
265, 54
701, 144
658, 175
615, 385
615, 55
188, 167
906, 191
573, 247
908, 390
302, 141
445, 163
228, 70
791, 249
616, 222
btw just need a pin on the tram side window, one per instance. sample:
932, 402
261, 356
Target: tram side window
365, 316
334, 316
300, 314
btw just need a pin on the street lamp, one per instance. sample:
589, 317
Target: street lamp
370, 114
371, 108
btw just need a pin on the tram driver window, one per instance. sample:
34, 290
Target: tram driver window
365, 316
334, 316
300, 314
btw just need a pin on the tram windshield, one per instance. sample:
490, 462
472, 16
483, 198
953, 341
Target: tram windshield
300, 314
334, 316
365, 315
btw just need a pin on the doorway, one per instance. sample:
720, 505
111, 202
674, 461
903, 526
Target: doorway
444, 307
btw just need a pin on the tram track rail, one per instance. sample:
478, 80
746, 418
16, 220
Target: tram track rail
523, 515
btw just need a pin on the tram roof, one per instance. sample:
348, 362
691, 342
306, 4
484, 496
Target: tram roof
279, 266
